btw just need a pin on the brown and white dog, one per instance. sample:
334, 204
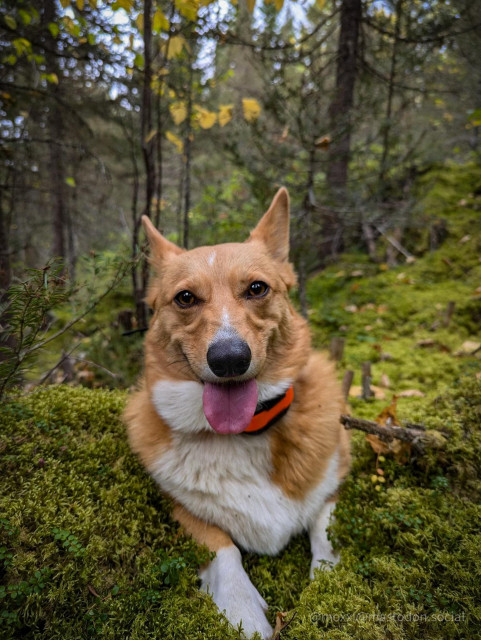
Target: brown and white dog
237, 418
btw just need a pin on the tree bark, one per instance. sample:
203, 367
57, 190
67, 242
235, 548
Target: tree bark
390, 96
148, 152
342, 103
188, 154
55, 128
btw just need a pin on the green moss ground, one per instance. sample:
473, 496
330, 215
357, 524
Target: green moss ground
87, 545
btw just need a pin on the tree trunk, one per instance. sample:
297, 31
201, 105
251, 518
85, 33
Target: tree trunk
148, 151
188, 154
389, 106
342, 103
5, 266
55, 129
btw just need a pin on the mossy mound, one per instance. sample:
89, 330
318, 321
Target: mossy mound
88, 549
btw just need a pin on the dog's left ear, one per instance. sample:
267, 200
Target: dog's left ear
273, 228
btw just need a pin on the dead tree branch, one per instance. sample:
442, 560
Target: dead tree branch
416, 435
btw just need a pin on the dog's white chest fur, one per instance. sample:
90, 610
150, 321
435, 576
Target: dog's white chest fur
225, 480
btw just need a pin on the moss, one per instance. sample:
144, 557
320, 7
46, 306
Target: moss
85, 532
89, 549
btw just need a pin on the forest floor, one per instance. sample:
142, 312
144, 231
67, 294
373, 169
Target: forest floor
87, 545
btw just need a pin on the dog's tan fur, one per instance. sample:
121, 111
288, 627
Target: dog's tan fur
304, 441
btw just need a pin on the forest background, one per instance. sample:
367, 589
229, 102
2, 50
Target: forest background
194, 112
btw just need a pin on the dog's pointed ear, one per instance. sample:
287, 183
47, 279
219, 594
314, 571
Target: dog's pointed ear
273, 228
160, 247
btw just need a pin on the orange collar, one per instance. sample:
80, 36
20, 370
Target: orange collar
269, 412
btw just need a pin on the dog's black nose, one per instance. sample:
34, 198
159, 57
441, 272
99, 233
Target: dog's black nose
229, 357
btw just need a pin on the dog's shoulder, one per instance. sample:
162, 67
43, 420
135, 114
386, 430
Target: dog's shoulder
148, 434
311, 433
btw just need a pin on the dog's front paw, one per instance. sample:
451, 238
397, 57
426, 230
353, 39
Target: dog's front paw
326, 561
234, 594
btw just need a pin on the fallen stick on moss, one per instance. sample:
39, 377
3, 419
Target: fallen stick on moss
415, 434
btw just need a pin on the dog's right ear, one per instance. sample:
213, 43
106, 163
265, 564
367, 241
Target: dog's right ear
160, 247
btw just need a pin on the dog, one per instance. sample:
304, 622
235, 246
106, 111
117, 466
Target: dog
236, 417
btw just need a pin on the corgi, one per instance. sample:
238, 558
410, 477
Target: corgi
236, 417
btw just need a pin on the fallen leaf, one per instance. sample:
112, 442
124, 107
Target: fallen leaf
356, 392
385, 382
282, 623
465, 239
468, 348
429, 343
388, 418
411, 393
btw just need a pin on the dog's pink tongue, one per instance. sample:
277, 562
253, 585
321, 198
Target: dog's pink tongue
229, 407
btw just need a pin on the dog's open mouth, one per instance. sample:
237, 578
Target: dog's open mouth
229, 407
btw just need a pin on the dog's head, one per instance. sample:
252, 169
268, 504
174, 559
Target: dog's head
222, 317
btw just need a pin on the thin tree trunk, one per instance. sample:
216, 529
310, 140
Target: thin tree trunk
57, 191
158, 149
148, 151
342, 103
308, 207
390, 96
188, 154
5, 265
180, 197
55, 128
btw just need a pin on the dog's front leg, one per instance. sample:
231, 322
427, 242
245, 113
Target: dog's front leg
321, 547
225, 579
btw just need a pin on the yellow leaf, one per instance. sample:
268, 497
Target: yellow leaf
127, 5
93, 4
10, 22
188, 8
278, 4
250, 5
171, 137
205, 118
150, 136
139, 21
159, 21
65, 3
320, 4
251, 108
175, 46
80, 4
178, 112
225, 114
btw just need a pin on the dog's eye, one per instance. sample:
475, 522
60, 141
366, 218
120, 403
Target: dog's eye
257, 289
185, 299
